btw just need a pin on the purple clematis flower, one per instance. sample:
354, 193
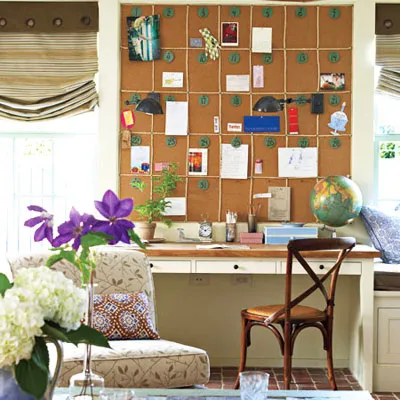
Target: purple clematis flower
114, 210
75, 228
45, 230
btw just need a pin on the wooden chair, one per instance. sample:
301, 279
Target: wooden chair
291, 316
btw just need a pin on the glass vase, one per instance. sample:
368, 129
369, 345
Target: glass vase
87, 385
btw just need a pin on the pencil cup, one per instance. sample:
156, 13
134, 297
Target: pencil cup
230, 231
251, 220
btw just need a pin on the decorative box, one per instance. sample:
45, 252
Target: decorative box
282, 234
251, 238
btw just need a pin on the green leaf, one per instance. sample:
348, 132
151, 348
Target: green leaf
53, 259
31, 378
93, 239
55, 331
5, 284
88, 335
40, 354
136, 239
69, 255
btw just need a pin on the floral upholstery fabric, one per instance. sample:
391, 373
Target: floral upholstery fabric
131, 363
123, 316
384, 232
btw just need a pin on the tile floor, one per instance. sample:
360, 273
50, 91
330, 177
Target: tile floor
303, 378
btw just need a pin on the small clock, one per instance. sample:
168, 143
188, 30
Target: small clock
205, 230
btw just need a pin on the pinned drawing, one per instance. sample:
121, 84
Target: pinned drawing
338, 121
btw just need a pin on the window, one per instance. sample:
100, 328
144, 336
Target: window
51, 165
387, 151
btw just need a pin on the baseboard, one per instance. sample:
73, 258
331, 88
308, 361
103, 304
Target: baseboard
386, 378
276, 362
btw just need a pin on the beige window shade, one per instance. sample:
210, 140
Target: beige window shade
48, 73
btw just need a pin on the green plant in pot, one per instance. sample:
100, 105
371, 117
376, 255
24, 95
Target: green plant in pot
154, 208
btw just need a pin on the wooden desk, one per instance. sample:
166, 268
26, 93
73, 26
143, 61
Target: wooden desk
184, 258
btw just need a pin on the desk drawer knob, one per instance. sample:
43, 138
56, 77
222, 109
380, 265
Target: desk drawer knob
236, 266
151, 265
321, 266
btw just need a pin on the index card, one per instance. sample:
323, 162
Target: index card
296, 162
172, 79
261, 40
176, 119
234, 161
178, 206
237, 83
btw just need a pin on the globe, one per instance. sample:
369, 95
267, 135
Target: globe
336, 200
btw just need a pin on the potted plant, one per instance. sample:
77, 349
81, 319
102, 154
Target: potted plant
154, 208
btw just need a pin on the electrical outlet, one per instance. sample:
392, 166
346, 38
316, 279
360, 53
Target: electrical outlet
242, 279
199, 279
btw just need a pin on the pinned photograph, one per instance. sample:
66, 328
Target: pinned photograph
140, 159
197, 161
332, 81
230, 34
144, 38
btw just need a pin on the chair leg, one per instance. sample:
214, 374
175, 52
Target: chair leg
329, 357
243, 349
287, 356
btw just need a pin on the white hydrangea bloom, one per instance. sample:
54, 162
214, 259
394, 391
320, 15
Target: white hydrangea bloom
20, 322
61, 301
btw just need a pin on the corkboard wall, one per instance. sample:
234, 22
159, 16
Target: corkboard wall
317, 34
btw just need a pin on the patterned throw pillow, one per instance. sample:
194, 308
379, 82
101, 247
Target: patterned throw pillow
123, 316
384, 232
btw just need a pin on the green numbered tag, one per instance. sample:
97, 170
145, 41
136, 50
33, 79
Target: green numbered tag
236, 142
301, 12
334, 56
335, 143
269, 142
202, 184
236, 100
204, 142
169, 12
334, 100
134, 99
202, 58
234, 11
267, 58
334, 13
203, 100
136, 140
136, 12
170, 98
301, 100
303, 142
169, 56
302, 58
202, 12
170, 141
234, 58
267, 12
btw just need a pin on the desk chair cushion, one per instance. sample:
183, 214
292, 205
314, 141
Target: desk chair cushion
297, 313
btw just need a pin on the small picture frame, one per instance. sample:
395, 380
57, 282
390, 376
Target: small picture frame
230, 34
332, 81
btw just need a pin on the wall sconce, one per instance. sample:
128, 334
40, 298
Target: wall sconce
270, 104
149, 105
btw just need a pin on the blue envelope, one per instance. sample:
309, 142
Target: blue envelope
261, 124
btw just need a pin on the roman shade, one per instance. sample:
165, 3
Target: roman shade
48, 59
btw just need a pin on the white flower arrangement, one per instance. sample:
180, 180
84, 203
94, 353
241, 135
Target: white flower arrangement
41, 302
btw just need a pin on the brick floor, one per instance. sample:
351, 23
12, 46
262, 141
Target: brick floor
302, 379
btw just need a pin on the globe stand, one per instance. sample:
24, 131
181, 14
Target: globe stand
329, 229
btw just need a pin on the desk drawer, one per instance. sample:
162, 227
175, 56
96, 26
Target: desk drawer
235, 267
170, 266
320, 267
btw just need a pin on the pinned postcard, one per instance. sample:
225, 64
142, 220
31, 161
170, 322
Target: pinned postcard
197, 161
177, 206
261, 40
234, 161
297, 162
176, 118
140, 159
258, 76
279, 203
159, 166
237, 83
172, 79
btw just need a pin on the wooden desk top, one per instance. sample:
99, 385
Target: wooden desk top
173, 249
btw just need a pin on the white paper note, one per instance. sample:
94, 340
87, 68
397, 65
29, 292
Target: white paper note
237, 83
172, 79
261, 40
279, 203
258, 76
234, 161
176, 118
296, 162
178, 206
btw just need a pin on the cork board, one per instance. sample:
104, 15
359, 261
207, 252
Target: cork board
313, 32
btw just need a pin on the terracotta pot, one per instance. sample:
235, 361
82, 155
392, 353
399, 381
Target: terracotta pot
145, 230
